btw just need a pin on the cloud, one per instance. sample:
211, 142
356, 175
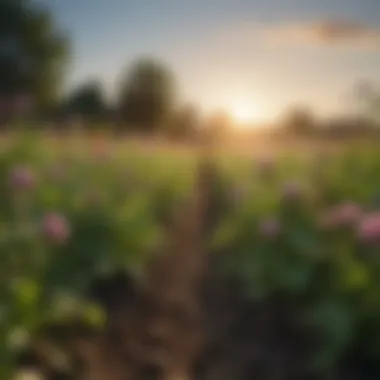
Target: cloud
325, 33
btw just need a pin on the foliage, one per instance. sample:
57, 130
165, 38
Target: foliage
184, 124
308, 231
87, 101
147, 94
368, 97
299, 121
33, 51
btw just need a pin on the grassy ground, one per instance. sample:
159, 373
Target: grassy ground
298, 232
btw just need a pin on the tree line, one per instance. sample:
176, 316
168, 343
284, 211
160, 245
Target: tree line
34, 57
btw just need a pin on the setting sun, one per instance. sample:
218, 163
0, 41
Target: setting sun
245, 113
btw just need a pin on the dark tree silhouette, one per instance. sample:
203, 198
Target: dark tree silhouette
33, 53
299, 121
147, 94
185, 123
87, 101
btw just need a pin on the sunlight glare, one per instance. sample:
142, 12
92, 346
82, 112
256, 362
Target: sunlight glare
245, 113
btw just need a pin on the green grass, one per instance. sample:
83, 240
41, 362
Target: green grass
113, 201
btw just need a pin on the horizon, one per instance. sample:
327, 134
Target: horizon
265, 56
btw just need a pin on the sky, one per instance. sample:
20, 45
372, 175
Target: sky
262, 54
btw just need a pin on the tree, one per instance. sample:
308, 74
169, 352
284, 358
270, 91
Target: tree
33, 53
299, 121
367, 95
147, 94
87, 101
185, 123
350, 126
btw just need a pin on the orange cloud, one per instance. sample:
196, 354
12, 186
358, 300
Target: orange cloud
329, 32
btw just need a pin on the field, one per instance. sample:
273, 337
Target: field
300, 234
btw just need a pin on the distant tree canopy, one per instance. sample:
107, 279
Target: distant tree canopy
87, 101
299, 120
185, 123
147, 95
368, 96
349, 126
33, 52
